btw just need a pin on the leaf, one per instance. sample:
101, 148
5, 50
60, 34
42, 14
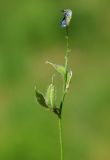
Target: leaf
50, 96
69, 76
40, 99
59, 68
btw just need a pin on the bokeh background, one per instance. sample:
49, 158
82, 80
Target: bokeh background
30, 34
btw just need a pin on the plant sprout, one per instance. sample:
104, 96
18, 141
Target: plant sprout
49, 100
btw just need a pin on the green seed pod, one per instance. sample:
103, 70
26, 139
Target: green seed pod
40, 98
50, 96
69, 76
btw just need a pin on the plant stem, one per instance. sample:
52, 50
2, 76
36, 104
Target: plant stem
60, 138
66, 68
64, 93
67, 48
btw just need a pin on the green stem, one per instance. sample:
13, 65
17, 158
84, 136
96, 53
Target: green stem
60, 136
64, 92
67, 48
66, 68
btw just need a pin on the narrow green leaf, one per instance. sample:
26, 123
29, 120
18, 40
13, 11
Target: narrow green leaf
50, 96
59, 68
40, 99
69, 76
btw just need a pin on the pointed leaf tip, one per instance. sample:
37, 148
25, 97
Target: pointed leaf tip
59, 68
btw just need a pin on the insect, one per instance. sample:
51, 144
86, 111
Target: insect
67, 17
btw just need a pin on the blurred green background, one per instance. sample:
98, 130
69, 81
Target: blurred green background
30, 34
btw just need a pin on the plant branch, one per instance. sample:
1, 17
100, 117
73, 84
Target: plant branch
48, 101
64, 92
66, 68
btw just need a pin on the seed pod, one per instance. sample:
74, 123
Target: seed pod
69, 76
50, 96
40, 98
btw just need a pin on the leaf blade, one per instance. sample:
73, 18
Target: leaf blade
59, 68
